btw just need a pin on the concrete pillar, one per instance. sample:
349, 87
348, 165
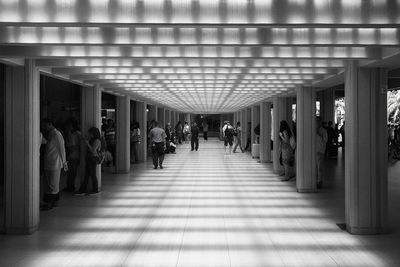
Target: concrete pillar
161, 116
123, 119
328, 105
255, 120
167, 116
306, 138
141, 118
90, 117
279, 113
366, 150
22, 145
152, 114
188, 118
265, 132
242, 124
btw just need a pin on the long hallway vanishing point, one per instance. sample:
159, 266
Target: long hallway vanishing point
204, 209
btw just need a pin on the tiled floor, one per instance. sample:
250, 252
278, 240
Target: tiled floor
204, 209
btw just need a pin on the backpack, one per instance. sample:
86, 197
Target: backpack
235, 132
229, 132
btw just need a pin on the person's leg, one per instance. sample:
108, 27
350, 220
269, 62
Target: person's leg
197, 144
54, 186
83, 187
192, 143
93, 176
160, 153
155, 156
135, 151
236, 145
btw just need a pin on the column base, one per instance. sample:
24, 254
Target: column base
122, 172
354, 230
306, 190
21, 230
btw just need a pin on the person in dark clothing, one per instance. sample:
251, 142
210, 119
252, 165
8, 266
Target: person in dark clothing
168, 132
194, 140
248, 143
331, 149
157, 143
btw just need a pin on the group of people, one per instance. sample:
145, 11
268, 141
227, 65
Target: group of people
327, 143
394, 141
162, 141
61, 151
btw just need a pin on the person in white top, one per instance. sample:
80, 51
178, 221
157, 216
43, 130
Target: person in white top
322, 139
54, 161
228, 133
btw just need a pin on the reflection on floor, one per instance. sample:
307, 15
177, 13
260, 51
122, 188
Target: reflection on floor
204, 209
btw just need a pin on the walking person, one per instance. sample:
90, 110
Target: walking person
194, 139
179, 131
54, 161
73, 151
238, 138
205, 130
228, 134
287, 151
157, 137
322, 139
93, 158
186, 131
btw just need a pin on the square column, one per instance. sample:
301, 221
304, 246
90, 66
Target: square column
123, 135
141, 118
279, 114
328, 105
306, 170
152, 114
22, 148
265, 132
173, 118
167, 116
366, 162
161, 116
255, 120
242, 124
90, 117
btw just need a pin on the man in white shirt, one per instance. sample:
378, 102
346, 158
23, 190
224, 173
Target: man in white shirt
322, 139
54, 161
157, 137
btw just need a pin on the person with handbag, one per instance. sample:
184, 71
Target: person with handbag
93, 158
287, 150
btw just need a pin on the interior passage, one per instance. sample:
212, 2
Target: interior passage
205, 208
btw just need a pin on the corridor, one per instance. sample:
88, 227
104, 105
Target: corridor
204, 209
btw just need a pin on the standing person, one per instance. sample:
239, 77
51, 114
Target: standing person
73, 147
228, 133
186, 131
248, 143
238, 138
135, 141
194, 139
287, 140
205, 130
157, 138
93, 146
322, 139
342, 133
168, 132
109, 135
54, 161
331, 149
179, 131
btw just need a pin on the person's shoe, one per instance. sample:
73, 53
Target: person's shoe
155, 167
191, 149
161, 167
80, 193
319, 185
